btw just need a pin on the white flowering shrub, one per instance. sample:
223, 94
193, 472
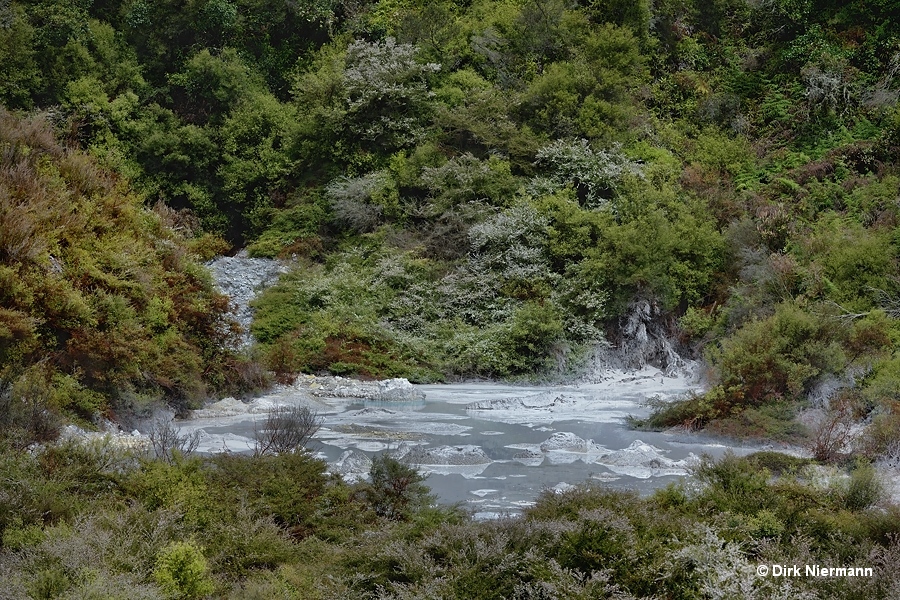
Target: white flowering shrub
726, 572
511, 242
465, 178
829, 89
386, 91
594, 174
359, 203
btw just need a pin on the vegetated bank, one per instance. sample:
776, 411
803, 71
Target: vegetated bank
477, 188
94, 521
106, 311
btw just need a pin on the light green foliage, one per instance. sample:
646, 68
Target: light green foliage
473, 115
535, 330
589, 94
255, 137
327, 318
863, 489
697, 323
880, 385
293, 230
213, 84
777, 357
854, 264
652, 242
179, 486
182, 571
722, 153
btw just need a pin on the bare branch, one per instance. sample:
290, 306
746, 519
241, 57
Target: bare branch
846, 315
888, 302
833, 433
165, 439
287, 429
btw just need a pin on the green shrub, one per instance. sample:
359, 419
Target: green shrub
734, 484
179, 486
292, 488
49, 583
396, 490
245, 540
855, 263
691, 412
182, 571
773, 421
862, 490
765, 524
777, 463
777, 357
17, 538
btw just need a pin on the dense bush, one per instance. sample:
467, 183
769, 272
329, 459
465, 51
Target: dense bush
89, 520
99, 297
777, 357
396, 490
182, 572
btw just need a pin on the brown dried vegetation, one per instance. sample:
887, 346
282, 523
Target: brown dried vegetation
94, 286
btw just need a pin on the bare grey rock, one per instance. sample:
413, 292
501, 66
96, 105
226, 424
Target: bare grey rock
530, 458
547, 401
644, 340
447, 455
387, 390
352, 466
641, 460
242, 278
564, 440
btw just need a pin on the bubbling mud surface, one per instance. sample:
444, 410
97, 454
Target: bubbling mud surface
489, 446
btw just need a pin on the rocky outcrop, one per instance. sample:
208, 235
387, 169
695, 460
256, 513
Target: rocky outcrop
241, 278
116, 439
353, 466
465, 455
567, 442
643, 461
545, 401
387, 390
530, 458
644, 340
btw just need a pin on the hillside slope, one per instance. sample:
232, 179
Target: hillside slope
490, 188
103, 307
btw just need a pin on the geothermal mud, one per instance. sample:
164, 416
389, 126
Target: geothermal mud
492, 447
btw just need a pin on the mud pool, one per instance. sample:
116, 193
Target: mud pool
491, 447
